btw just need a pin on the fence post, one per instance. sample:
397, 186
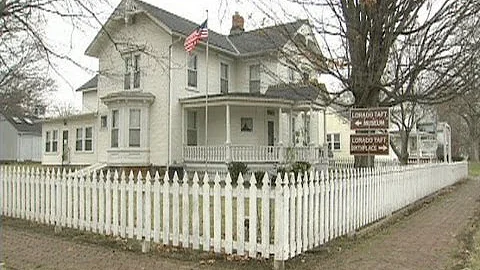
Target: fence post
279, 263
185, 211
240, 215
252, 230
228, 215
206, 212
195, 213
146, 243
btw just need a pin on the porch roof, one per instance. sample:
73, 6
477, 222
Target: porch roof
249, 99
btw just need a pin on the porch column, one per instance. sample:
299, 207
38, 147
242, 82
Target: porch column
228, 139
313, 134
281, 150
183, 135
311, 143
290, 126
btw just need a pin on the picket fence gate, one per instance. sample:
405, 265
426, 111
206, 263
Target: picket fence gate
282, 218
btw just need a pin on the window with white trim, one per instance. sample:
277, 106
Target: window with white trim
254, 79
88, 141
54, 140
84, 139
223, 78
103, 121
291, 74
79, 140
134, 128
192, 128
333, 141
115, 126
192, 71
48, 141
132, 71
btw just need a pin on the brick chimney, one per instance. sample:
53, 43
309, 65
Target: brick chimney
237, 24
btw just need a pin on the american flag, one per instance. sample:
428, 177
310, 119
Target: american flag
200, 33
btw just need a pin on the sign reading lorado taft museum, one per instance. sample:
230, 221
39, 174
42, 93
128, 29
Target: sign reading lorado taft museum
369, 120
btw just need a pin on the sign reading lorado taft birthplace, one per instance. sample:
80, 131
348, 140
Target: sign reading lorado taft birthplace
369, 144
369, 118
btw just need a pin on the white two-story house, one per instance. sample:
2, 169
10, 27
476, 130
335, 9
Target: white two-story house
154, 104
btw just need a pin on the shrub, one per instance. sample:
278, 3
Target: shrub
300, 167
235, 168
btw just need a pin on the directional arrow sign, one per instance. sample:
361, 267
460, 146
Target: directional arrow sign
370, 118
369, 144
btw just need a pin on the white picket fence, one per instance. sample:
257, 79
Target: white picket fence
283, 219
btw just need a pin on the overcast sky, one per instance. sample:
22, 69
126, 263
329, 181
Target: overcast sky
73, 42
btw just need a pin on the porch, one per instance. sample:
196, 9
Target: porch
260, 131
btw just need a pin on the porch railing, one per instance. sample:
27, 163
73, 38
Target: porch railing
252, 153
214, 153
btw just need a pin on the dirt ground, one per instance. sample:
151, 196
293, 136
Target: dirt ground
429, 238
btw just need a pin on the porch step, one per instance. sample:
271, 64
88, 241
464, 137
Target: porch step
89, 169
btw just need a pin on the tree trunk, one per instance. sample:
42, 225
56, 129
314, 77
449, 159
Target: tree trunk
404, 155
474, 150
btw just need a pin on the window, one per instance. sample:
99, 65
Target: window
88, 138
103, 121
115, 125
128, 72
132, 67
307, 129
255, 78
192, 71
192, 128
84, 139
223, 78
136, 71
48, 141
54, 140
134, 128
291, 75
246, 124
333, 141
79, 140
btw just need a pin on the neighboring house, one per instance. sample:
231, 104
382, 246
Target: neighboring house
20, 138
338, 132
423, 141
148, 104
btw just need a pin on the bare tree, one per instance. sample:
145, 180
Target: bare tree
365, 34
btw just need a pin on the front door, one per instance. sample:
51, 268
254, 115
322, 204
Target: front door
65, 150
271, 133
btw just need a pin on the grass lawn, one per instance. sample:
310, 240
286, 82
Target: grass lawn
474, 169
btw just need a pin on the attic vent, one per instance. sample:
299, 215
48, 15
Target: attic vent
16, 120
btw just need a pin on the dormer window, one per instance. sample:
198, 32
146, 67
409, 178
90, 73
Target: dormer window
132, 71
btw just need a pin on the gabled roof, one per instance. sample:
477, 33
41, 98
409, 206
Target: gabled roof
183, 26
92, 83
241, 44
24, 123
266, 39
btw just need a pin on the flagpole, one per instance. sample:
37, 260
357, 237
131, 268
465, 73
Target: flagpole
206, 102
